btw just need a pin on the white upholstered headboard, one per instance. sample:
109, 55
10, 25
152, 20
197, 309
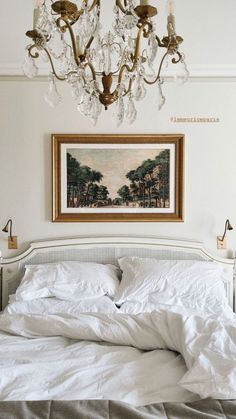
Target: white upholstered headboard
107, 249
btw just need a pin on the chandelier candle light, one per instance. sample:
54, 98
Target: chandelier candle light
103, 69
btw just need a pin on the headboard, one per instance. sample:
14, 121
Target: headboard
108, 249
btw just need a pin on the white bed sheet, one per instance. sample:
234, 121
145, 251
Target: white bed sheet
60, 368
130, 358
85, 369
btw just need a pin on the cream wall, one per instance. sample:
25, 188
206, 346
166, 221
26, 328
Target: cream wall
26, 124
210, 169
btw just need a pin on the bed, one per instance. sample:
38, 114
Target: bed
132, 352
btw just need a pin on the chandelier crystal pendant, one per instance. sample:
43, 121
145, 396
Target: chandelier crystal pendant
102, 70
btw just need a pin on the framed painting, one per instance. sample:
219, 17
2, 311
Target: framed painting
117, 178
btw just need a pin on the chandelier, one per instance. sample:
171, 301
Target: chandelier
103, 69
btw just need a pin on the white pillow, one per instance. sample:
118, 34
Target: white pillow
50, 306
68, 281
186, 283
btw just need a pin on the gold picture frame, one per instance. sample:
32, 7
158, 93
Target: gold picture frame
118, 178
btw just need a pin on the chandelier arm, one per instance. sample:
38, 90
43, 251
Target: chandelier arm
79, 13
160, 44
89, 44
159, 71
176, 61
72, 36
126, 90
88, 64
136, 55
33, 55
53, 67
129, 88
96, 2
120, 6
36, 55
126, 67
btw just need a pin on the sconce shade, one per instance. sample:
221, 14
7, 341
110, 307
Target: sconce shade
6, 228
229, 226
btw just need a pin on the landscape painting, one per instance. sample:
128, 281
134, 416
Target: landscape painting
111, 178
135, 178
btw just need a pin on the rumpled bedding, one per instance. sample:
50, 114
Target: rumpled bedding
116, 356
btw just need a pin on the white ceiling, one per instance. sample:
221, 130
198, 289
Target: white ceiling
208, 27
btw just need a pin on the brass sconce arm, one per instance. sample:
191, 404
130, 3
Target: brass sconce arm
228, 226
6, 228
12, 240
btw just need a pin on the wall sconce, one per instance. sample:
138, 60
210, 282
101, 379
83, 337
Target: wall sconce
221, 240
12, 240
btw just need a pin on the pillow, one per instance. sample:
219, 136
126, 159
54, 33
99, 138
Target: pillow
49, 306
187, 283
68, 281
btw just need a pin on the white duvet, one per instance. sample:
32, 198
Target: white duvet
131, 358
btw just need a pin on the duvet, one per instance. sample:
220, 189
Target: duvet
138, 359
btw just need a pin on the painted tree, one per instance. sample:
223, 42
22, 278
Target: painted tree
149, 183
163, 164
82, 184
102, 193
74, 181
137, 178
92, 177
124, 193
92, 194
148, 167
134, 189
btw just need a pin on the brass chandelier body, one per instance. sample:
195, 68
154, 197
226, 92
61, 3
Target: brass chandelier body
115, 83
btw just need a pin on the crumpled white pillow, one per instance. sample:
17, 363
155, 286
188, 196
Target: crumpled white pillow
70, 280
191, 284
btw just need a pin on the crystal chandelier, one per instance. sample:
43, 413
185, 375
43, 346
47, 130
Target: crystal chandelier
103, 69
